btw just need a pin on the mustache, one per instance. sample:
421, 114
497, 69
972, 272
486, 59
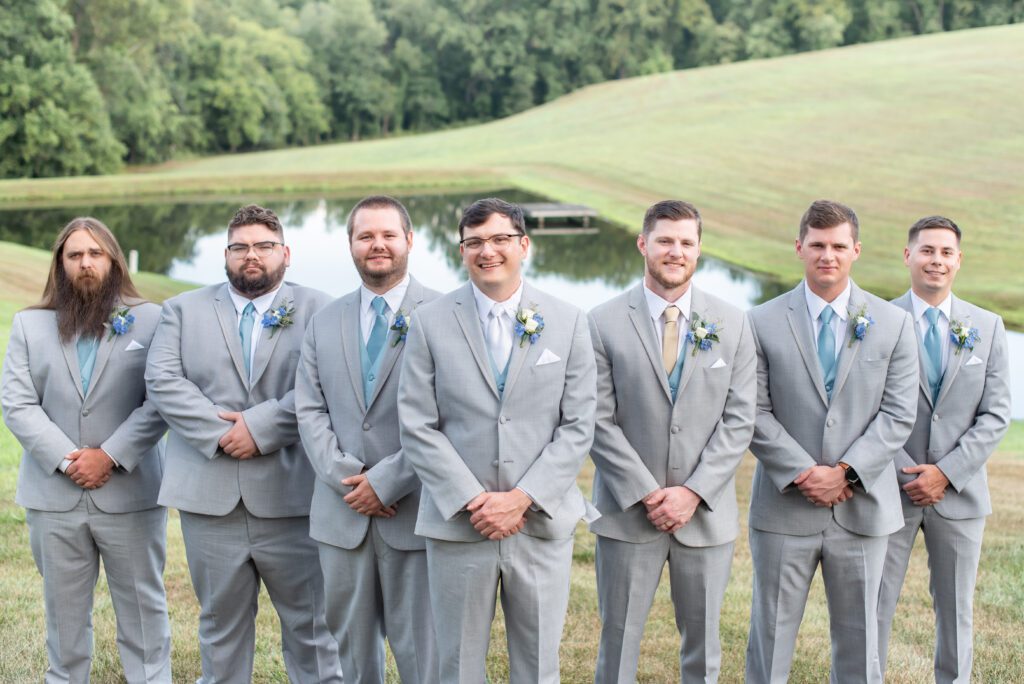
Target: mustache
82, 311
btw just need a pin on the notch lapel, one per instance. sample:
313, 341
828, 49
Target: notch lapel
103, 351
351, 340
849, 351
800, 326
640, 317
71, 357
520, 352
228, 319
269, 336
698, 307
393, 348
957, 312
465, 314
907, 305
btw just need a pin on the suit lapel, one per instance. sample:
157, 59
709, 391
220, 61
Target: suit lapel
520, 352
465, 314
640, 317
269, 336
849, 351
393, 348
228, 319
351, 341
698, 307
907, 305
800, 326
103, 351
71, 357
957, 312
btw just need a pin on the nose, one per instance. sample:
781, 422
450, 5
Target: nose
488, 249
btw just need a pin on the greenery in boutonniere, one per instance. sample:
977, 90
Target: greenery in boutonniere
121, 320
963, 337
529, 324
859, 324
281, 317
702, 334
400, 326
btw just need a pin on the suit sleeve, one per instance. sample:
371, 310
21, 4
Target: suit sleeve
622, 469
272, 423
779, 454
444, 474
887, 433
182, 404
39, 436
555, 469
392, 478
991, 420
135, 436
724, 451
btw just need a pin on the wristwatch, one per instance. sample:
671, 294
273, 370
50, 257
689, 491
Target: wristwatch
851, 474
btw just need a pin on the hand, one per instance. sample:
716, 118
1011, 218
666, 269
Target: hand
497, 515
237, 442
929, 487
90, 468
670, 508
363, 499
824, 485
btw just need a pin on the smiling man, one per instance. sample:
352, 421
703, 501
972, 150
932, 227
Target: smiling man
675, 413
222, 373
963, 411
366, 494
837, 382
496, 405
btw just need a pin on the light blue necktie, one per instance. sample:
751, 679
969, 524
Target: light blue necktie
933, 352
245, 333
87, 347
827, 349
379, 332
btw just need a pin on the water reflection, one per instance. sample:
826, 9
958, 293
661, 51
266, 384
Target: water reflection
186, 240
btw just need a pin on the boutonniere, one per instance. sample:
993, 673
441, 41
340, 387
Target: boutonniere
859, 324
121, 320
963, 337
529, 325
400, 326
280, 317
701, 334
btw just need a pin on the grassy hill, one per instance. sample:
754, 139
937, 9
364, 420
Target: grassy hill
897, 129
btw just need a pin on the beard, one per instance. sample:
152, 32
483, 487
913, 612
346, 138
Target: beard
395, 272
253, 286
668, 280
84, 304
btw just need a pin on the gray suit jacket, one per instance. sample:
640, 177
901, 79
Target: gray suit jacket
865, 424
642, 441
196, 369
463, 438
47, 411
969, 418
344, 436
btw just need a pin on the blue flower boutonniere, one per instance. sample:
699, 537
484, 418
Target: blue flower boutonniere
400, 326
860, 321
121, 321
701, 334
529, 325
963, 337
280, 317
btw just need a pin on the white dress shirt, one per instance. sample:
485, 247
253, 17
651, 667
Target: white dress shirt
840, 305
942, 322
393, 298
261, 304
656, 307
506, 319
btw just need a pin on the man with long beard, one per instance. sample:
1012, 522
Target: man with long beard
75, 397
222, 373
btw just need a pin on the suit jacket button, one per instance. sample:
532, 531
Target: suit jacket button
675, 429
830, 422
503, 420
494, 463
366, 426
935, 417
85, 412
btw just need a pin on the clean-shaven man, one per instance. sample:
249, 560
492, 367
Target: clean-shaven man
222, 373
366, 494
837, 391
676, 394
963, 411
74, 396
496, 406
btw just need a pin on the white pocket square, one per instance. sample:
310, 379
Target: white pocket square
133, 345
720, 363
973, 361
546, 357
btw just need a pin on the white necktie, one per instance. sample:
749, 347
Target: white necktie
499, 343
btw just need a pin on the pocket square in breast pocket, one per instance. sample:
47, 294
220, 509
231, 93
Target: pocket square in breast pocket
133, 345
546, 357
973, 361
720, 363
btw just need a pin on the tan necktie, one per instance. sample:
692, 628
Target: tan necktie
670, 338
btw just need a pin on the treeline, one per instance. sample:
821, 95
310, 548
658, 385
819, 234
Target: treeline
87, 85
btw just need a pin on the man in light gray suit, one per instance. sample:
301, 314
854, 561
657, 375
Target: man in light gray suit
496, 405
366, 494
963, 411
75, 397
837, 383
222, 373
676, 393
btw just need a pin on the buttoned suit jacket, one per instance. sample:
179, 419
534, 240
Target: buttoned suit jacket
464, 438
644, 442
963, 427
344, 434
195, 370
48, 412
865, 424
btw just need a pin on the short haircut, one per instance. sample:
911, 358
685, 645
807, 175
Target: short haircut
477, 213
379, 202
255, 215
672, 210
933, 222
828, 214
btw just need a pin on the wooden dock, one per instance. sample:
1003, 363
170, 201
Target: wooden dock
545, 211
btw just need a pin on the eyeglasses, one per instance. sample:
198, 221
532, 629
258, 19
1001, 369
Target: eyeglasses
240, 250
502, 241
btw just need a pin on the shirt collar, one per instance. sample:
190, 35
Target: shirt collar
920, 306
393, 297
840, 304
261, 303
657, 305
484, 304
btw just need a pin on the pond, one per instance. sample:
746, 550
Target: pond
185, 240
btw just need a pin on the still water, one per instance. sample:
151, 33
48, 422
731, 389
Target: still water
186, 240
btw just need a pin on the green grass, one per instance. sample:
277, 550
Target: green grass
897, 129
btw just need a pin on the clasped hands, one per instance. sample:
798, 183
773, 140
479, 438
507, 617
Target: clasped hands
237, 442
497, 515
670, 508
90, 468
929, 487
363, 498
824, 485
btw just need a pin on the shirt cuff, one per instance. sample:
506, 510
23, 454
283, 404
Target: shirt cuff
64, 465
533, 502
